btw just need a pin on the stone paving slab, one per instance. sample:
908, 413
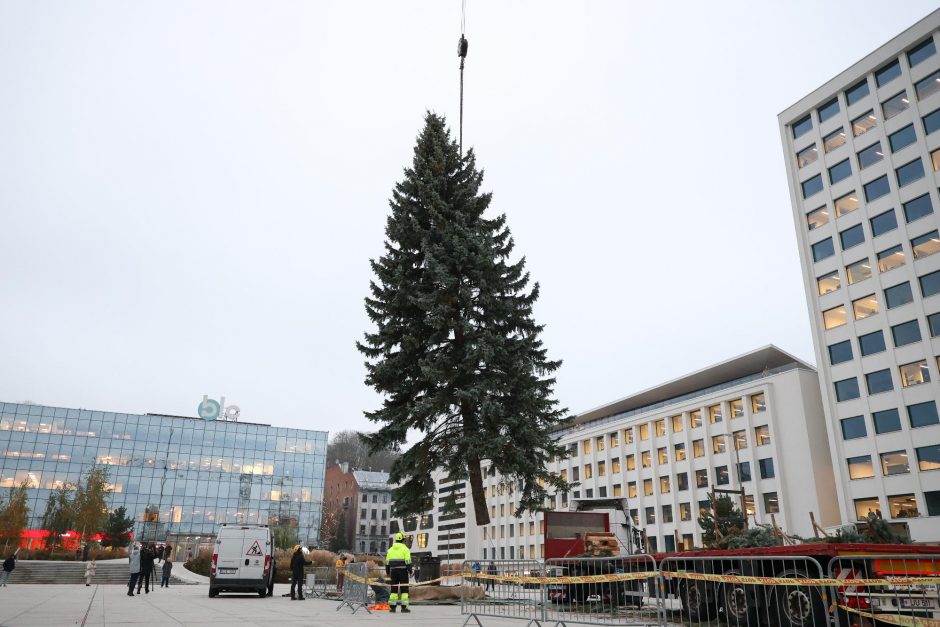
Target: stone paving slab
55, 605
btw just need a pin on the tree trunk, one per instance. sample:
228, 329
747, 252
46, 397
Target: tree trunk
478, 492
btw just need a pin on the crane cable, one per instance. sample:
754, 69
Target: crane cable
462, 46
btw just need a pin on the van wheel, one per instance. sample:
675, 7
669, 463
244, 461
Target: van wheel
213, 592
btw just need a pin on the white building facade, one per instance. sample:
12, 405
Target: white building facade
755, 421
862, 155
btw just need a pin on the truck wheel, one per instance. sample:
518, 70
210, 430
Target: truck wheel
739, 602
799, 606
698, 600
213, 592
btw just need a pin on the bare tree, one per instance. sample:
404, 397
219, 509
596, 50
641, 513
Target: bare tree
349, 447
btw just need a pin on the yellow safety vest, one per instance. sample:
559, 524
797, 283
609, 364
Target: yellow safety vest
398, 552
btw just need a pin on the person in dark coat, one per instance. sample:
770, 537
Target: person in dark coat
297, 563
85, 550
8, 565
167, 569
147, 556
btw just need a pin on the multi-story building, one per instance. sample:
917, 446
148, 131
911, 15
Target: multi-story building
862, 155
360, 502
178, 477
753, 422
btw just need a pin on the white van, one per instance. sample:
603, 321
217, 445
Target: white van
243, 560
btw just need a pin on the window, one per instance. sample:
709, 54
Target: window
895, 105
714, 414
812, 186
677, 424
648, 487
883, 223
914, 373
771, 504
865, 306
846, 204
902, 138
758, 403
645, 431
837, 138
618, 490
879, 381
802, 126
631, 462
615, 466
682, 481
860, 467
602, 491
933, 321
866, 506
858, 271
917, 208
664, 487
898, 295
698, 448
870, 156
852, 236
829, 282
834, 317
718, 444
864, 123
891, 258
903, 506
650, 515
599, 443
935, 159
888, 73
856, 92
586, 447
906, 333
847, 389
922, 414
744, 471
685, 511
631, 489
766, 467
910, 172
575, 473
695, 418
721, 475
920, 52
807, 156
660, 426
628, 436
931, 122
926, 245
662, 455
853, 427
645, 460
930, 284
840, 171
601, 468
828, 110
928, 457
823, 249
588, 471
894, 463
740, 439
762, 435
877, 188
840, 352
679, 452
928, 86
701, 478
932, 499
614, 439
886, 421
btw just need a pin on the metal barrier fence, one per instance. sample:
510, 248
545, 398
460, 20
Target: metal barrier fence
506, 593
319, 581
355, 594
897, 589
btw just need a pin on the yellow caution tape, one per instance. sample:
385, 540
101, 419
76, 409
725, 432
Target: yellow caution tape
895, 619
382, 584
800, 581
579, 579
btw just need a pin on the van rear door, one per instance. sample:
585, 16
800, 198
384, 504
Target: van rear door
229, 549
254, 546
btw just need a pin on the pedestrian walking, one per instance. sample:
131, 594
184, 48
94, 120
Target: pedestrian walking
476, 571
340, 572
490, 583
146, 568
297, 563
85, 550
8, 565
134, 562
398, 567
90, 569
167, 568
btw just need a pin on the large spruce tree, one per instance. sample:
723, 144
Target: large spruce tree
456, 353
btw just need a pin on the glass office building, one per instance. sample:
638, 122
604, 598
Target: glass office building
178, 477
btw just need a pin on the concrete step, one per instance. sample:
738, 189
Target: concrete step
51, 572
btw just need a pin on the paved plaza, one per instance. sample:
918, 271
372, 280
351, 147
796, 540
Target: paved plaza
54, 605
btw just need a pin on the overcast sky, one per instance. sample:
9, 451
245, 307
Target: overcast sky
190, 192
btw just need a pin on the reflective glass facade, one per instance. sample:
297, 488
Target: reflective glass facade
175, 475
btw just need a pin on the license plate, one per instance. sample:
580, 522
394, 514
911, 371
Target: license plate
921, 604
228, 571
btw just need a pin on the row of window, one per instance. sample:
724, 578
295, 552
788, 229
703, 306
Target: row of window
676, 423
894, 462
889, 420
905, 175
914, 209
871, 343
894, 296
866, 157
860, 90
888, 259
899, 505
914, 373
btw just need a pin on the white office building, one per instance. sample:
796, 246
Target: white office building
862, 155
754, 421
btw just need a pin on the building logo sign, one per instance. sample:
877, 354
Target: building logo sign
211, 409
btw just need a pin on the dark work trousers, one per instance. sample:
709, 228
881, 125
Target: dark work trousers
144, 581
132, 582
399, 587
298, 584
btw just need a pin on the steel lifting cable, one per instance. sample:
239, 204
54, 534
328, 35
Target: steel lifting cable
462, 46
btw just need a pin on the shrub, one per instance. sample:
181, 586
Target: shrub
200, 563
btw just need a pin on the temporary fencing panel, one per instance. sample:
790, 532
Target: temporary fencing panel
602, 591
511, 589
355, 593
319, 581
897, 589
